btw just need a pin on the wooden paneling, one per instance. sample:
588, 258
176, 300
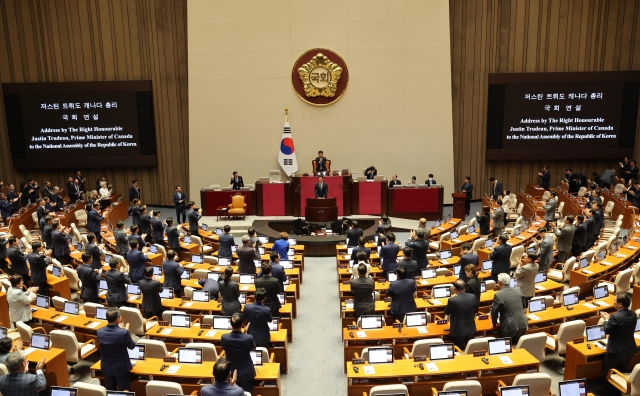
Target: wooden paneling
104, 40
514, 36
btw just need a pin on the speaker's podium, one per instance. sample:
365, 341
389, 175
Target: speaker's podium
459, 202
321, 210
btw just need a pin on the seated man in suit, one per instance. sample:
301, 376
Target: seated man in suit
353, 234
430, 180
401, 292
236, 181
237, 348
258, 317
114, 340
225, 381
361, 248
321, 163
394, 181
462, 310
321, 190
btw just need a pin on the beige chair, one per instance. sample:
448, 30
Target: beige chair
81, 217
76, 352
567, 332
473, 222
581, 192
137, 324
477, 344
489, 284
30, 236
478, 244
534, 343
26, 331
204, 249
394, 390
210, 260
473, 388
166, 315
85, 389
560, 210
436, 245
462, 230
608, 209
72, 275
628, 384
516, 256
90, 308
518, 213
588, 255
163, 388
162, 251
421, 347
200, 274
570, 290
622, 282
25, 243
564, 273
188, 291
208, 350
265, 354
4, 371
124, 266
546, 195
237, 207
58, 302
154, 349
539, 383
274, 175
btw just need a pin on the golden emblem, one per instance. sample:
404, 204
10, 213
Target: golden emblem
320, 76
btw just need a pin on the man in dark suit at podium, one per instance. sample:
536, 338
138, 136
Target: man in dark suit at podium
321, 162
322, 190
467, 187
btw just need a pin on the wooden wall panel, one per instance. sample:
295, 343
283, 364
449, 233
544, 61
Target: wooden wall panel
515, 36
104, 40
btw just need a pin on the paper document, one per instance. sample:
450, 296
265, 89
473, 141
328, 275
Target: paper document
589, 305
172, 369
422, 330
361, 334
369, 370
506, 360
432, 367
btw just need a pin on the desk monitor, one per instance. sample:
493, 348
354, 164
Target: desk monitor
40, 341
63, 391
602, 253
292, 241
483, 287
614, 248
187, 239
107, 258
71, 308
273, 325
584, 262
120, 393
456, 269
197, 259
200, 295
157, 270
515, 390
153, 249
429, 273
625, 239
42, 302
350, 250
488, 243
264, 239
103, 285
595, 333
101, 313
287, 280
445, 254
286, 264
487, 265
391, 276
3, 332
499, 345
291, 252
234, 248
137, 353
577, 387
167, 292
537, 305
219, 231
282, 298
56, 271
441, 351
180, 320
186, 274
371, 322
637, 325
256, 358
415, 319
380, 355
513, 283
438, 222
190, 355
247, 279
600, 292
257, 263
133, 288
222, 322
224, 261
531, 250
79, 246
471, 229
569, 299
449, 215
454, 234
214, 275
242, 298
516, 230
541, 277
203, 227
441, 292
453, 393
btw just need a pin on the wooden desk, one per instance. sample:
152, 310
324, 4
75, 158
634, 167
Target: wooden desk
523, 239
274, 199
188, 376
59, 285
582, 362
414, 203
421, 381
369, 197
25, 219
210, 200
4, 311
55, 366
620, 207
534, 190
84, 328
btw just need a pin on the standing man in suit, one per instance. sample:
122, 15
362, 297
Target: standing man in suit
579, 243
419, 248
362, 288
150, 289
353, 234
254, 242
13, 197
237, 348
145, 224
508, 302
47, 191
61, 250
545, 177
40, 209
526, 277
157, 226
5, 208
180, 200
258, 317
19, 381
114, 340
462, 310
467, 256
592, 235
134, 234
277, 270
74, 191
172, 273
236, 181
409, 265
564, 238
246, 255
271, 287
134, 191
225, 381
389, 254
90, 279
430, 180
467, 188
56, 200
497, 216
545, 252
173, 235
321, 163
621, 347
401, 293
137, 261
550, 209
94, 220
18, 259
135, 211
116, 284
394, 181
193, 215
38, 260
501, 257
361, 248
226, 241
321, 189
122, 244
632, 173
496, 188
33, 189
94, 250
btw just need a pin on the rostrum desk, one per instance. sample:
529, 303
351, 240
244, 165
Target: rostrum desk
321, 210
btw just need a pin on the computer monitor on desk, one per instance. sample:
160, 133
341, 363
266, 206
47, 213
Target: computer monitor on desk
577, 387
595, 333
63, 391
499, 346
224, 261
584, 262
42, 302
120, 393
487, 265
441, 351
537, 305
137, 353
514, 391
222, 322
371, 322
380, 355
71, 308
445, 254
40, 341
180, 320
600, 292
441, 292
196, 258
569, 299
488, 243
101, 313
190, 355
415, 319
428, 273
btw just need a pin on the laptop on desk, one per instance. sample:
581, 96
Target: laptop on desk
63, 391
136, 354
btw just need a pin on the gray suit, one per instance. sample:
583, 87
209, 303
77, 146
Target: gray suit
564, 241
509, 303
226, 241
122, 244
24, 384
545, 254
498, 220
526, 276
550, 210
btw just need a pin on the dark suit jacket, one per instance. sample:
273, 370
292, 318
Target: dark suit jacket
469, 258
158, 229
90, 281
389, 256
468, 188
462, 310
137, 238
173, 237
5, 208
57, 199
321, 191
501, 259
145, 224
620, 327
60, 245
430, 182
150, 290
352, 236
321, 164
259, 316
46, 192
394, 183
23, 384
363, 303
34, 194
420, 249
135, 215
237, 347
580, 236
114, 342
133, 193
210, 285
193, 216
360, 249
226, 241
411, 266
237, 183
272, 286
137, 261
96, 255
495, 192
172, 273
509, 303
38, 265
179, 197
116, 286
221, 389
94, 220
46, 235
545, 182
277, 271
484, 223
401, 293
246, 255
473, 286
122, 243
3, 247
15, 206
18, 260
40, 211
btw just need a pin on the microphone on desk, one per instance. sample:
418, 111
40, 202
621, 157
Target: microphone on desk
522, 191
